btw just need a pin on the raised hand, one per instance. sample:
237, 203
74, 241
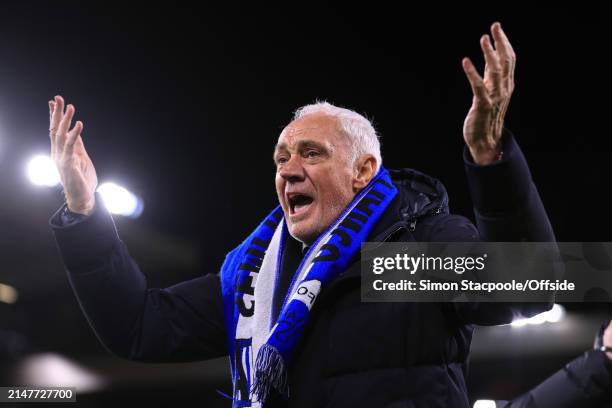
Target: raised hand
483, 125
76, 170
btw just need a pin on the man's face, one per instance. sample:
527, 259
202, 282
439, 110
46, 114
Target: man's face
314, 177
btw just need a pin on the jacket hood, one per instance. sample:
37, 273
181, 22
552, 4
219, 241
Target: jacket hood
419, 194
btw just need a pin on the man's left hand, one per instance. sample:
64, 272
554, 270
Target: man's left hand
482, 129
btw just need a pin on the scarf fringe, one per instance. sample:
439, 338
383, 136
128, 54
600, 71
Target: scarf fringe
270, 371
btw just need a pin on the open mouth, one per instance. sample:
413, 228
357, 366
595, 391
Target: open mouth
299, 203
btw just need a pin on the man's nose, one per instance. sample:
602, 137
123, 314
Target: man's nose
292, 169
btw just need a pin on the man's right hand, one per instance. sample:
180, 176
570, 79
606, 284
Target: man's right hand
76, 170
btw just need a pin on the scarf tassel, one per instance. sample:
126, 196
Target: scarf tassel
270, 371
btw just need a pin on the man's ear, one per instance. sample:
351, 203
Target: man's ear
365, 169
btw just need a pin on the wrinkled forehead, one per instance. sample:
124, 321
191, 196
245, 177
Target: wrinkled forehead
318, 128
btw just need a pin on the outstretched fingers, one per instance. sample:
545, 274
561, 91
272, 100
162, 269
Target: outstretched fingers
506, 53
64, 124
56, 115
72, 137
476, 82
493, 70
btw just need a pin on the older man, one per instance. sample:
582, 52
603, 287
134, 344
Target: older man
286, 305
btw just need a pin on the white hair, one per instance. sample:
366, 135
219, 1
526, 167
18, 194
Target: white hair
356, 127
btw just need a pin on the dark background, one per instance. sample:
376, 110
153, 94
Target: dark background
183, 105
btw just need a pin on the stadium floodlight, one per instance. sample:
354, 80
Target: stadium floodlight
119, 200
42, 171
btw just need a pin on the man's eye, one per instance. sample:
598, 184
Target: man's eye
312, 153
281, 160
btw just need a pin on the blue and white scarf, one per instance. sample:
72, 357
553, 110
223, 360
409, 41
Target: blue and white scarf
260, 349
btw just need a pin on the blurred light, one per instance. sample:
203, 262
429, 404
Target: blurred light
485, 404
54, 370
519, 323
8, 294
42, 171
120, 201
554, 315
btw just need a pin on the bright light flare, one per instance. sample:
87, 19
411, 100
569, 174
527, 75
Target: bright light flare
485, 404
42, 171
54, 370
120, 200
554, 315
